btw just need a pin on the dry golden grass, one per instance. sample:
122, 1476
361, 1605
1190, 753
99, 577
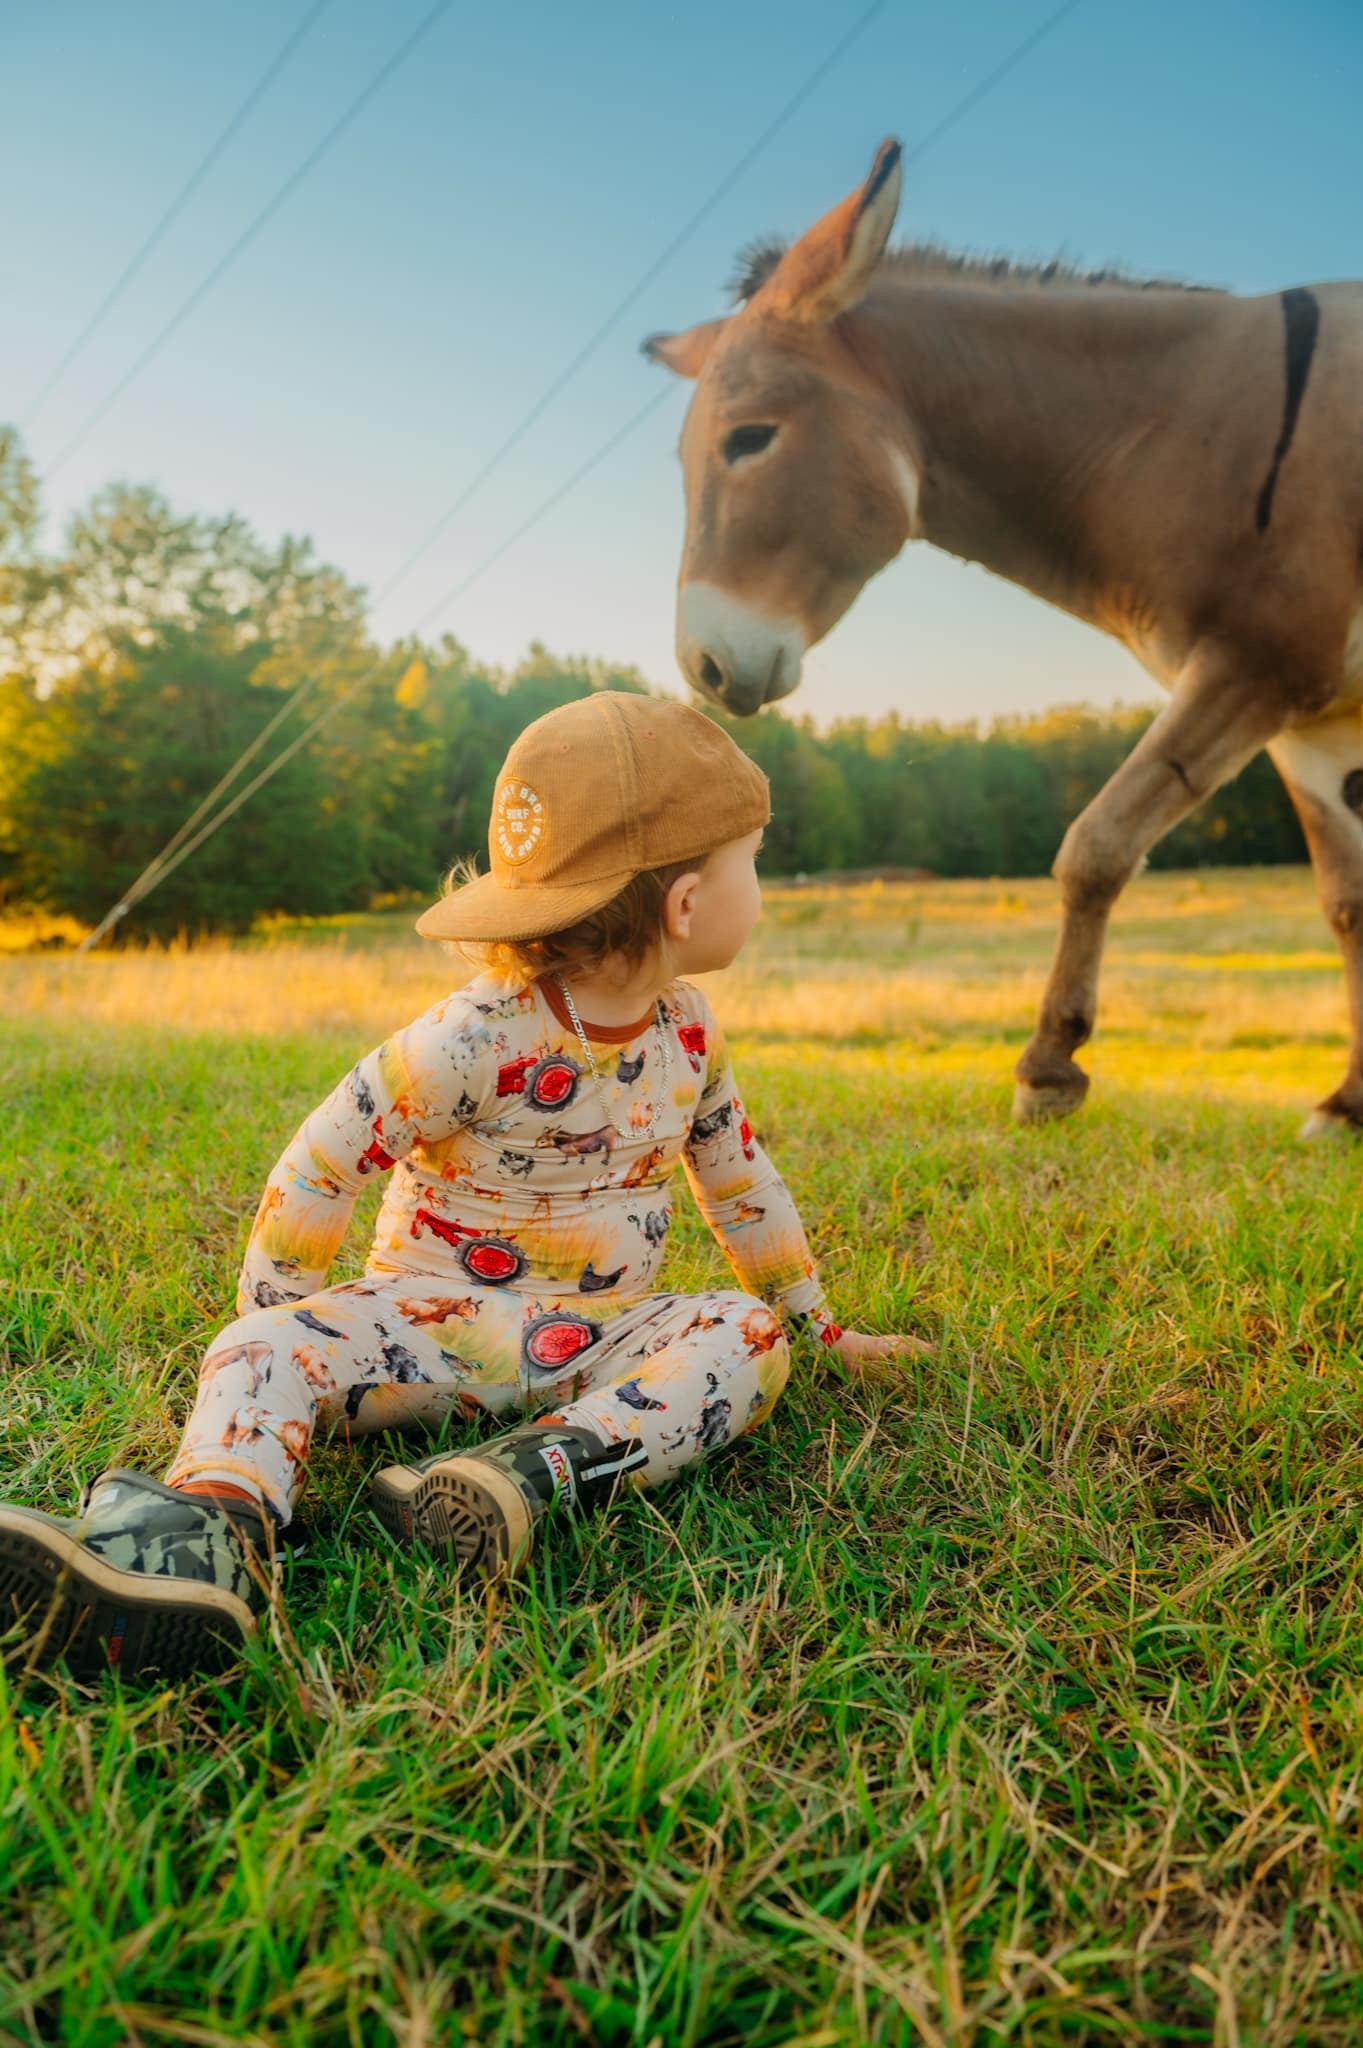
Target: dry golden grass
1220, 983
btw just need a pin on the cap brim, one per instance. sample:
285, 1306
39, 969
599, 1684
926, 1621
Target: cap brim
487, 910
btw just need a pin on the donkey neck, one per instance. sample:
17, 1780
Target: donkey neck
1032, 413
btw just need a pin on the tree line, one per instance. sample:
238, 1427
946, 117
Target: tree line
141, 656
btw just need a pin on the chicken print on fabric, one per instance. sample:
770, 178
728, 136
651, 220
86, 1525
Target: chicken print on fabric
516, 1254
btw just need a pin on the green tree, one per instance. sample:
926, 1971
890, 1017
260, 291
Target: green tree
118, 756
145, 652
25, 577
812, 822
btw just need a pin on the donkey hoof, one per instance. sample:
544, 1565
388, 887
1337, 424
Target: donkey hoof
1325, 1122
1041, 1102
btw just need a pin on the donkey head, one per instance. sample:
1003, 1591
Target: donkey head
798, 486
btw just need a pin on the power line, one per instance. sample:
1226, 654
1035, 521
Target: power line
989, 81
949, 120
636, 291
162, 863
177, 206
685, 233
180, 848
170, 859
546, 505
253, 228
517, 434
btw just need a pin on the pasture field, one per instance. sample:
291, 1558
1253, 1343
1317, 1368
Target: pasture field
1016, 1696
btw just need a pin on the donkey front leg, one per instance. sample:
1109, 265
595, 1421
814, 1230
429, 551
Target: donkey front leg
1322, 765
1215, 721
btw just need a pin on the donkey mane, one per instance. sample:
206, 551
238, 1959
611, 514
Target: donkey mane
931, 263
756, 262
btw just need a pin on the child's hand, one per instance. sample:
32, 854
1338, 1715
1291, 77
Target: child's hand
859, 1348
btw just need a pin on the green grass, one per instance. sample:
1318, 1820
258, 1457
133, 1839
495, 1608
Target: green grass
1018, 1697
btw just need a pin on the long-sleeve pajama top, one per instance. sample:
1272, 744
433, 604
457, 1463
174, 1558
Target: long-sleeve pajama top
509, 1170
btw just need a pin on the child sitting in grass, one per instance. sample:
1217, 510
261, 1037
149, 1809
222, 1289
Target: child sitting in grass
514, 1261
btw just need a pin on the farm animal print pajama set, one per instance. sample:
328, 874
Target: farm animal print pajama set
514, 1255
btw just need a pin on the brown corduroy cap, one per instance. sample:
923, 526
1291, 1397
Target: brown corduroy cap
591, 796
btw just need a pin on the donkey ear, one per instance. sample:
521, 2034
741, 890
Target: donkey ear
685, 354
829, 268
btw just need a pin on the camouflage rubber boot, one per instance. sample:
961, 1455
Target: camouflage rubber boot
481, 1507
143, 1579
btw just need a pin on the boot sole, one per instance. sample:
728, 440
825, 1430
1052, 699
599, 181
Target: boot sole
469, 1512
74, 1605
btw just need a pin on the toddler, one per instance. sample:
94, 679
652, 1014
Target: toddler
530, 1125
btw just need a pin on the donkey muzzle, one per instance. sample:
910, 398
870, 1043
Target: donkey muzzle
734, 654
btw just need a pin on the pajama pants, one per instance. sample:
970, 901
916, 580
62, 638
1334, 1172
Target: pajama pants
680, 1374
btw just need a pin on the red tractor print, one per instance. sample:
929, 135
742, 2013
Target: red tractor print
443, 1227
552, 1082
374, 1154
493, 1260
553, 1340
692, 1038
511, 1077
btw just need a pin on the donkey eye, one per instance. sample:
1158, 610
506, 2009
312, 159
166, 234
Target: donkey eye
747, 441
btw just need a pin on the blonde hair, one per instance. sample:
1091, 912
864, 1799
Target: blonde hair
629, 928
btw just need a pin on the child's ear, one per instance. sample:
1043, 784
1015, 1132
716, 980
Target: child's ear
679, 906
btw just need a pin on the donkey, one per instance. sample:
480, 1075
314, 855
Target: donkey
1180, 467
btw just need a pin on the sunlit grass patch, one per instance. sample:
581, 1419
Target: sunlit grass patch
1019, 1697
927, 962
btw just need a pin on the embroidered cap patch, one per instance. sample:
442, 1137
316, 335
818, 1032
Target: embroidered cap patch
517, 821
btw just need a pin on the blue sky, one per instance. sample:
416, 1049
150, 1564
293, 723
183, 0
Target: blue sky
397, 316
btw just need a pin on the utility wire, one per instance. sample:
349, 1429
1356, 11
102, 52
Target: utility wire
181, 848
177, 206
172, 213
989, 81
949, 120
253, 228
499, 455
164, 865
546, 505
636, 292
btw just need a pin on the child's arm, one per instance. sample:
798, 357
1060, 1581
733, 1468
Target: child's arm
750, 1210
745, 1201
420, 1084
